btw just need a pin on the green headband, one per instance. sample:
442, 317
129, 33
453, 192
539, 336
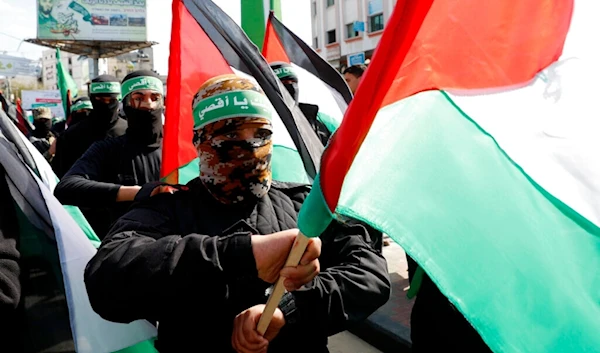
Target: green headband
140, 83
83, 104
105, 87
232, 104
285, 72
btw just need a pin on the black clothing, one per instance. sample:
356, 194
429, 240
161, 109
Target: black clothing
43, 145
73, 143
102, 123
144, 126
185, 260
310, 112
42, 128
437, 326
59, 128
33, 310
94, 180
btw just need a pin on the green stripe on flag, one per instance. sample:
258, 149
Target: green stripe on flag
512, 258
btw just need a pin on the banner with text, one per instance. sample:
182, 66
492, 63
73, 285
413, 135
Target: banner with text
115, 20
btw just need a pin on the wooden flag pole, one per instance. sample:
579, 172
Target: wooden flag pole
293, 259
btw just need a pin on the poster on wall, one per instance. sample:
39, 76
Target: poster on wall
48, 98
108, 20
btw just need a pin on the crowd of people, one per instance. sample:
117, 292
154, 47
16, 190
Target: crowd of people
199, 260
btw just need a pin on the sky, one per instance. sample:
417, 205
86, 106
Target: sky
18, 21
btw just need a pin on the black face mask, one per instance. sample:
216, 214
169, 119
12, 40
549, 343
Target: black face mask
42, 128
107, 113
144, 126
293, 89
78, 117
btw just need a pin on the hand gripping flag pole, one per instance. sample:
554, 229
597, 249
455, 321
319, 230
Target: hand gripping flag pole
293, 259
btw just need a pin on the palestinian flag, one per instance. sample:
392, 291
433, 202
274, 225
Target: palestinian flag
472, 141
318, 82
206, 43
61, 236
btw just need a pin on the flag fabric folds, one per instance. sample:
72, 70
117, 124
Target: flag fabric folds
69, 241
319, 83
470, 142
205, 43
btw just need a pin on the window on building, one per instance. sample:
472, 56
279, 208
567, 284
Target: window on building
330, 3
331, 36
316, 42
376, 22
314, 8
350, 32
71, 72
70, 61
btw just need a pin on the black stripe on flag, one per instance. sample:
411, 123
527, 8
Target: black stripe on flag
304, 56
243, 55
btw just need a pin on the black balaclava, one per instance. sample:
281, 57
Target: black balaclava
42, 128
105, 86
143, 126
80, 110
42, 121
285, 72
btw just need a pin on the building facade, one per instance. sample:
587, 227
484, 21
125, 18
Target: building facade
120, 66
346, 32
79, 69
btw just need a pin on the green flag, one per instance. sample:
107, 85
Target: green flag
254, 18
65, 83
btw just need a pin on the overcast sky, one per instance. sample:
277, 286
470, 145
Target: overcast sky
18, 21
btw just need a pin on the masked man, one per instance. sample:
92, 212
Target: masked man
201, 260
103, 122
42, 137
106, 179
321, 124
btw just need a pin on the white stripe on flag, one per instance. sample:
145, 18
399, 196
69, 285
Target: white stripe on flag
314, 91
91, 333
549, 128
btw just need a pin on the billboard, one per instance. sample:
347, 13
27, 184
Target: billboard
50, 99
13, 66
107, 20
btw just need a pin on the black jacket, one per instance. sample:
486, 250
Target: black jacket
94, 180
186, 261
43, 145
76, 140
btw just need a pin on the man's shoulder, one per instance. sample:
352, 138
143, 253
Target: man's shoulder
296, 192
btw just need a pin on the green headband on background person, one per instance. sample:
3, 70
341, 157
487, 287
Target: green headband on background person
83, 104
284, 71
141, 83
231, 104
105, 88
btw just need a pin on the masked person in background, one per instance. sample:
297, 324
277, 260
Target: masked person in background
80, 110
42, 137
321, 124
200, 260
106, 179
103, 122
